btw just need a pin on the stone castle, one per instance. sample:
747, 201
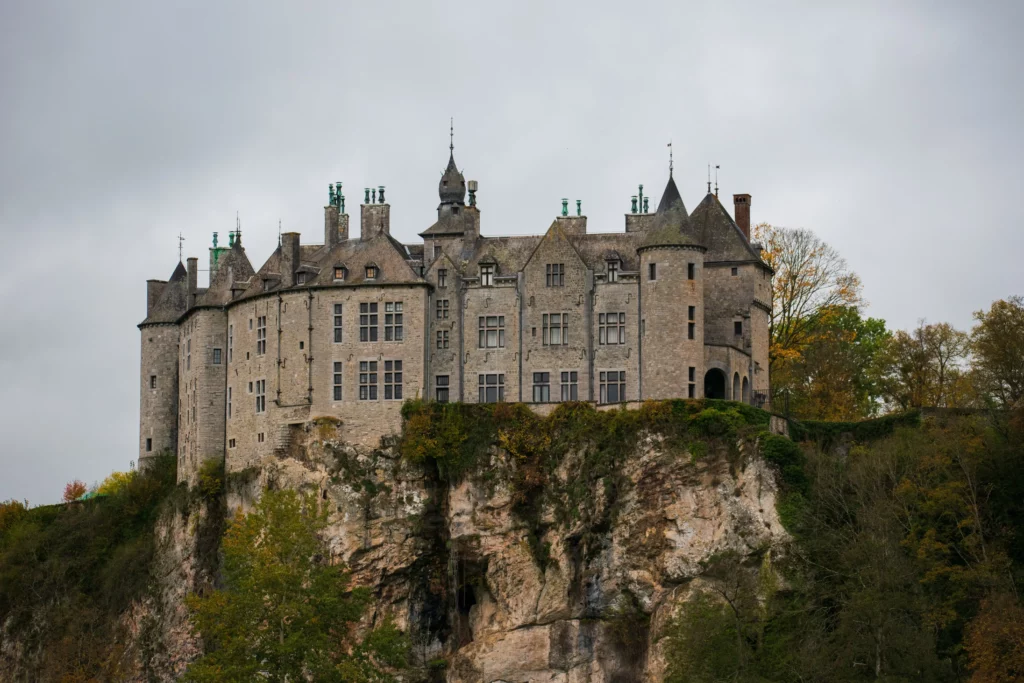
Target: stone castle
676, 306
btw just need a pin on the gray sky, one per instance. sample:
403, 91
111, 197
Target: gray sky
893, 130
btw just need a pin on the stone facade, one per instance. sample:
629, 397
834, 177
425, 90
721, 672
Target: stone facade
677, 305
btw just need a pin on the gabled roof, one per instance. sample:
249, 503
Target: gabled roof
711, 225
555, 232
172, 301
234, 267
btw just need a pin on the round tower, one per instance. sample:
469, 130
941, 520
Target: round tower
158, 375
671, 305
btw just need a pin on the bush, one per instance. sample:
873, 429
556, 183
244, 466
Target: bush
211, 478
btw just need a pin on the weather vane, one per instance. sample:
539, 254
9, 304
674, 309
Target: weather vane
181, 242
451, 135
709, 178
670, 158
716, 178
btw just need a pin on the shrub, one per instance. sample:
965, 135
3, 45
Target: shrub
211, 478
73, 491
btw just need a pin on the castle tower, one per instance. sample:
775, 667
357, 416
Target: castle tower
671, 305
158, 410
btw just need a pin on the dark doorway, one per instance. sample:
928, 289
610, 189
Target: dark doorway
714, 384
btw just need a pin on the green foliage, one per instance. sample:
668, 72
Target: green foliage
285, 612
789, 458
826, 433
68, 571
211, 478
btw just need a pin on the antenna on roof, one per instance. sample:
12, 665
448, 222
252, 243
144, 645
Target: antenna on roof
669, 158
716, 178
181, 242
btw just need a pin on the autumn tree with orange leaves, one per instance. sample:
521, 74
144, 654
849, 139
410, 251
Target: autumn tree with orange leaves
73, 491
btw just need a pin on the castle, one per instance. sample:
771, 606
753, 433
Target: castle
678, 305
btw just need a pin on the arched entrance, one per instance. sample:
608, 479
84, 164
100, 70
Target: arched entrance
746, 390
736, 387
714, 383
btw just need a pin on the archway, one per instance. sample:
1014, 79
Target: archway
746, 390
714, 383
735, 387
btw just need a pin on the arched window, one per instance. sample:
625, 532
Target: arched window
746, 390
736, 387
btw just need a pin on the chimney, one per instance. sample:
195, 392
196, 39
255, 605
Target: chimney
741, 205
289, 258
154, 288
374, 218
193, 279
332, 219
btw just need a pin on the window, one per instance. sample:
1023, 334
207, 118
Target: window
441, 388
492, 332
487, 275
613, 271
261, 335
442, 278
555, 275
652, 271
367, 380
691, 330
442, 309
541, 387
393, 380
691, 312
300, 278
216, 356
149, 445
691, 389
442, 339
691, 271
152, 381
340, 272
737, 327
570, 392
250, 323
188, 354
337, 381
613, 386
250, 387
611, 328
437, 250
393, 321
368, 322
337, 323
261, 396
492, 388
229, 403
231, 443
231, 343
555, 329
371, 272
259, 437
735, 271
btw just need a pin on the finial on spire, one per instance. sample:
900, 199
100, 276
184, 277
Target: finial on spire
451, 135
716, 179
669, 158
709, 178
181, 242
278, 232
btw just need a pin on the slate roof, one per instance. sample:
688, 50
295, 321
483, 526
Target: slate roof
669, 225
712, 226
234, 267
173, 301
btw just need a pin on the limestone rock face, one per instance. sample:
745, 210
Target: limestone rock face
579, 590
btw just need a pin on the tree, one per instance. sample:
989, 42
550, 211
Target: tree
995, 641
810, 276
73, 491
998, 345
285, 613
927, 367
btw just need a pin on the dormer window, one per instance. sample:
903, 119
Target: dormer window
371, 272
487, 275
339, 273
300, 278
613, 271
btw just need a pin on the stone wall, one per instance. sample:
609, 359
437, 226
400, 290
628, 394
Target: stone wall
158, 379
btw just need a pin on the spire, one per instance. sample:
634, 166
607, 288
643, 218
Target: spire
452, 188
671, 197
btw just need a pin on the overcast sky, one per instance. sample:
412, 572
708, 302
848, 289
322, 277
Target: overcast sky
892, 130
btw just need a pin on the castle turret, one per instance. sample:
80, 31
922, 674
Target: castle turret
158, 410
671, 305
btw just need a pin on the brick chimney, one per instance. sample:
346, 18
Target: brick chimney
290, 253
193, 279
741, 208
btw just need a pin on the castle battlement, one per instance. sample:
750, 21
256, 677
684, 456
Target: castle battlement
673, 307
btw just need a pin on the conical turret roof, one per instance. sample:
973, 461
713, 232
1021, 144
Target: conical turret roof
452, 188
669, 225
